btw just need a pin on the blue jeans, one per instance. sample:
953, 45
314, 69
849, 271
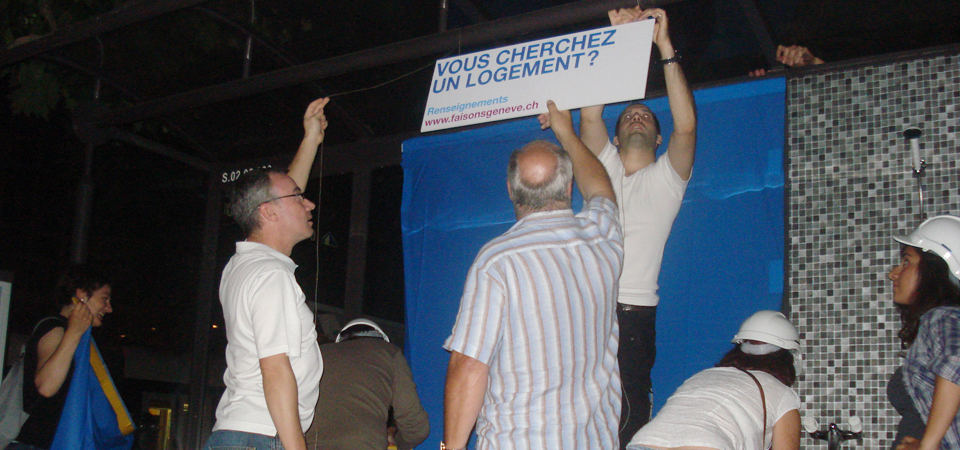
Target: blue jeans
638, 350
241, 440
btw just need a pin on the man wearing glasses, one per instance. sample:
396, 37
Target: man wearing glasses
273, 360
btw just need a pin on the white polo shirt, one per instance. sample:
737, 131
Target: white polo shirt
266, 314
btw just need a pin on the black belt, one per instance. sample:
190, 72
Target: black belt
631, 308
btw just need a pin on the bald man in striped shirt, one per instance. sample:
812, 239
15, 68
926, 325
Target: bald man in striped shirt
534, 349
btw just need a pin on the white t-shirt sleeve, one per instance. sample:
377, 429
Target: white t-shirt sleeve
669, 178
610, 158
788, 402
273, 313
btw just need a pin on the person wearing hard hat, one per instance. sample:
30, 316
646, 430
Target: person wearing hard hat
745, 402
926, 290
366, 380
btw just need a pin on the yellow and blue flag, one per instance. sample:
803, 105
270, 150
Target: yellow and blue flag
94, 417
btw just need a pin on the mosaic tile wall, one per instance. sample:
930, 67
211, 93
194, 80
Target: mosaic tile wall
850, 186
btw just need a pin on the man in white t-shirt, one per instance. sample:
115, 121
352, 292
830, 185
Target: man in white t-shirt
649, 191
273, 360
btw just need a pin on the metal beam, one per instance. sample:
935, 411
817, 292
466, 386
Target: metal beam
357, 126
424, 46
358, 156
760, 31
127, 14
158, 148
126, 93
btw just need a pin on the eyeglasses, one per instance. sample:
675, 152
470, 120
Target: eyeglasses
299, 196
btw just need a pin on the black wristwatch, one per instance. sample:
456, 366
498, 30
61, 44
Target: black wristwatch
676, 58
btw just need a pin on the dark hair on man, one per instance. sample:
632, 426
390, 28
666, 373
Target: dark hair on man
84, 277
934, 288
537, 197
778, 364
656, 121
250, 191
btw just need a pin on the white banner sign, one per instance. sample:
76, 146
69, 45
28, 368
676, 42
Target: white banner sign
606, 65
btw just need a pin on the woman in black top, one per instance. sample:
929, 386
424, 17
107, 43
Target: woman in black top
83, 300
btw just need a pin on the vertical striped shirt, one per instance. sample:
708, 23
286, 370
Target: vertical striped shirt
935, 352
539, 309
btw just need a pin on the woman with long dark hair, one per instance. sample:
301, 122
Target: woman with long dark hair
82, 300
926, 290
745, 402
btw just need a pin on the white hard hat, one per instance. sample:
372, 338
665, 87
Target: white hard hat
939, 235
378, 333
770, 327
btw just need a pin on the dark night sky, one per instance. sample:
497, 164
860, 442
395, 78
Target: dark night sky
137, 238
146, 230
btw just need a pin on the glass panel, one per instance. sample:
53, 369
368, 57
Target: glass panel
326, 284
383, 279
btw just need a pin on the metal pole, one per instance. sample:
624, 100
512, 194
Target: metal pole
248, 54
444, 12
919, 165
81, 224
357, 256
760, 31
208, 273
348, 117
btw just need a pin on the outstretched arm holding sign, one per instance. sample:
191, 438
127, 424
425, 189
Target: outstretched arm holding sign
637, 142
640, 179
591, 178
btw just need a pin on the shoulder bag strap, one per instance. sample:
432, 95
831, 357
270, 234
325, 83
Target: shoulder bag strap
763, 404
23, 348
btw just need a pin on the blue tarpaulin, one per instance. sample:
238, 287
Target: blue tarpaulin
93, 417
724, 259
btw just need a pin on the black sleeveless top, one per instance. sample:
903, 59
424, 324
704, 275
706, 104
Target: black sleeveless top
40, 428
911, 422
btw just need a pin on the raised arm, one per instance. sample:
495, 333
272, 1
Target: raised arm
463, 398
591, 177
56, 348
280, 392
593, 131
314, 124
683, 140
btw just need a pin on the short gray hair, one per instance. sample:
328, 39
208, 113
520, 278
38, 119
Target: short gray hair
537, 197
250, 191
